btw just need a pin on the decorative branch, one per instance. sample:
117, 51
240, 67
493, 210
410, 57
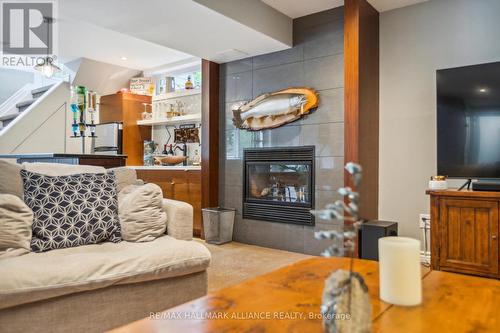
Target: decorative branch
343, 212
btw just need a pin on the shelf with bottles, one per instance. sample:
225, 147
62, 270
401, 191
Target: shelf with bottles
177, 94
83, 103
172, 111
188, 118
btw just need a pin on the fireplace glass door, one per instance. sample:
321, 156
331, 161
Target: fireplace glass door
282, 183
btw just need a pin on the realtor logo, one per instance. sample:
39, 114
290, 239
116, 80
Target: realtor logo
27, 27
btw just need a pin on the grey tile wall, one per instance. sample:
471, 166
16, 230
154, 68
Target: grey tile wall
315, 61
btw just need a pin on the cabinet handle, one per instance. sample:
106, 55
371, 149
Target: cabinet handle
494, 236
172, 183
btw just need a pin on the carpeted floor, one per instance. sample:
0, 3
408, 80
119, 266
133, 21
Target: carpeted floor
235, 262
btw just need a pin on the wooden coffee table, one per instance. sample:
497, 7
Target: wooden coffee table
288, 300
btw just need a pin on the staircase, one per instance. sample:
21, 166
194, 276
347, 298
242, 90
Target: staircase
35, 93
40, 124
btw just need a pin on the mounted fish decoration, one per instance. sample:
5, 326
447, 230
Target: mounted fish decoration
274, 109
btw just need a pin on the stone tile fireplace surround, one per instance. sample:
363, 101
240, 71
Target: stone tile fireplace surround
315, 61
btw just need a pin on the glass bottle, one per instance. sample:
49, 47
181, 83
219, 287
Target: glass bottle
196, 158
188, 84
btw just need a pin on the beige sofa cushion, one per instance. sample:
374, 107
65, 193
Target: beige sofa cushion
124, 177
8, 253
140, 209
10, 178
16, 219
38, 276
180, 219
59, 169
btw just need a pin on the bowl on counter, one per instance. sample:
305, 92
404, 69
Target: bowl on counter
169, 159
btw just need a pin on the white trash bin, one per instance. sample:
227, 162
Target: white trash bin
218, 224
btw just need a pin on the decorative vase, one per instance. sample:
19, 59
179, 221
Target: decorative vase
347, 306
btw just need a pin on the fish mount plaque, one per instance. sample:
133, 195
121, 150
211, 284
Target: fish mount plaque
275, 109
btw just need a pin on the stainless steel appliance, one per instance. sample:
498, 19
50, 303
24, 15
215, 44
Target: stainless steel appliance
108, 139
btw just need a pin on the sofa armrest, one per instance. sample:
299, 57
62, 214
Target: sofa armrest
179, 219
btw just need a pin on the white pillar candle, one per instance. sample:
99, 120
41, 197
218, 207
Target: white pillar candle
399, 265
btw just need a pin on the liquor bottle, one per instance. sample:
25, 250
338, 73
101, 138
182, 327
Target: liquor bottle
75, 111
189, 84
81, 98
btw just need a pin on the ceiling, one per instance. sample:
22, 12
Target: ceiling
150, 36
109, 46
298, 8
385, 5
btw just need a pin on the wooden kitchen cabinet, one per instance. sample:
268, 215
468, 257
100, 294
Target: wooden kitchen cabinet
127, 108
182, 185
464, 231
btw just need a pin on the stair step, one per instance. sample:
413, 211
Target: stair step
5, 120
9, 116
21, 106
40, 91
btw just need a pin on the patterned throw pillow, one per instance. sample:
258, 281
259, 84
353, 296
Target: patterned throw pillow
71, 210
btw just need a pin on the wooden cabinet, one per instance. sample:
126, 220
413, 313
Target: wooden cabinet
106, 162
464, 231
127, 108
182, 185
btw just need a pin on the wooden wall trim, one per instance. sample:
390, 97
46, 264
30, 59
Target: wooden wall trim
361, 98
209, 134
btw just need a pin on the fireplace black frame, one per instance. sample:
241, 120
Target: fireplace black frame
283, 212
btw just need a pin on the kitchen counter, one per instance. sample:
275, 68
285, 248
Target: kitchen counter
106, 161
59, 155
167, 167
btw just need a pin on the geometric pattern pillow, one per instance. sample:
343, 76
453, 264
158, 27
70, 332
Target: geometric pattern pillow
71, 210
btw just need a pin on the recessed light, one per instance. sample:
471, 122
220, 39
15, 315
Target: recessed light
123, 58
483, 90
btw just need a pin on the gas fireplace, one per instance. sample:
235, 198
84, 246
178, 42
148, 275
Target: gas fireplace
279, 184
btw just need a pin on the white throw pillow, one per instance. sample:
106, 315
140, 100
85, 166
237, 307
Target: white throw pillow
16, 219
140, 209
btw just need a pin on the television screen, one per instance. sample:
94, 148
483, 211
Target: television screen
468, 121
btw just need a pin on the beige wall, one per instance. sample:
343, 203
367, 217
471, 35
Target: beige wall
414, 42
101, 77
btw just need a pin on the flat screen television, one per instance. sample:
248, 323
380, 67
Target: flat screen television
468, 121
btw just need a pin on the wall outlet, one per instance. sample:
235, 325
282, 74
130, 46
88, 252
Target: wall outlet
424, 221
